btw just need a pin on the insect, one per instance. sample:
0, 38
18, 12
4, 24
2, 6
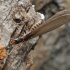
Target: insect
52, 23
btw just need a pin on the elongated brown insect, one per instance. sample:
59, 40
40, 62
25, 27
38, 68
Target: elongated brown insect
52, 23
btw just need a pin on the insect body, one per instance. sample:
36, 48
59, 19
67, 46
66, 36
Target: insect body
36, 25
52, 23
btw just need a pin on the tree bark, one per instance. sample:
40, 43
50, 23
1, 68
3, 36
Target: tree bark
14, 16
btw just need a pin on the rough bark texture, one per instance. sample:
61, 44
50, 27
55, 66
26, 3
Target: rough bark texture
16, 17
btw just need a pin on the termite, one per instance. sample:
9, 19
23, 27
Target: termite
52, 23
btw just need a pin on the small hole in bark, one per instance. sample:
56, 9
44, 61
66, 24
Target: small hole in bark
17, 20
